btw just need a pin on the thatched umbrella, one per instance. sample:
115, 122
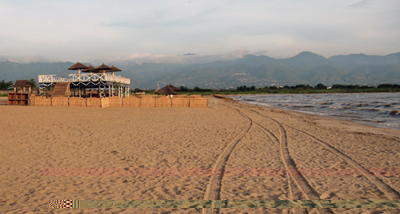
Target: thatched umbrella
103, 68
89, 69
78, 66
167, 90
115, 69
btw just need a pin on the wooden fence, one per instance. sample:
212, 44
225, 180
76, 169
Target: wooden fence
132, 101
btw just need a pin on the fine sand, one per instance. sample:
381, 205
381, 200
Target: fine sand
228, 151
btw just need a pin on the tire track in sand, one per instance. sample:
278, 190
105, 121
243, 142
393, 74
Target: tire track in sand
295, 174
386, 189
213, 190
292, 189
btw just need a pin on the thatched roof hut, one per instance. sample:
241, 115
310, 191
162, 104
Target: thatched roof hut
174, 88
167, 90
22, 86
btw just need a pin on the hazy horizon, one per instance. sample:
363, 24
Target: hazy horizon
160, 31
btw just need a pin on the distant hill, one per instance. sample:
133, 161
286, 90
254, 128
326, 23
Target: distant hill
304, 68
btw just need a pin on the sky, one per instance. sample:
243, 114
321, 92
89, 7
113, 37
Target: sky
187, 31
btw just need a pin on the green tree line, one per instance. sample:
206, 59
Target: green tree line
4, 85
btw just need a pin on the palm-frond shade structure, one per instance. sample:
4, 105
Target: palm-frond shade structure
167, 90
115, 69
174, 88
89, 69
103, 68
78, 66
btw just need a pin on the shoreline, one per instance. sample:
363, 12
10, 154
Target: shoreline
317, 113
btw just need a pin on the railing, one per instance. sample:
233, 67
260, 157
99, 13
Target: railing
84, 78
52, 78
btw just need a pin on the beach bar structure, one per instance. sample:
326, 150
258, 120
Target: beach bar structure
101, 79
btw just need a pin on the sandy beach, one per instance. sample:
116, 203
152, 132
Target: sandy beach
228, 151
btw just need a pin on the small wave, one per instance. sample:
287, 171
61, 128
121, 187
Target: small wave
324, 103
304, 106
341, 107
357, 104
391, 125
369, 109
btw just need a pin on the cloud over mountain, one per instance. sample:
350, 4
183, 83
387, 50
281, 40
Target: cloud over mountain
183, 59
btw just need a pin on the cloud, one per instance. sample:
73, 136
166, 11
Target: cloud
28, 59
236, 54
360, 4
141, 58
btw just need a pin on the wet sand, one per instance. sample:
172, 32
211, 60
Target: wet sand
229, 151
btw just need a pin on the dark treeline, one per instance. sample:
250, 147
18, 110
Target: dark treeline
6, 85
195, 89
301, 88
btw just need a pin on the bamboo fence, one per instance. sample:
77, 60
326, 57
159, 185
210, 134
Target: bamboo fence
131, 101
147, 101
42, 101
77, 102
115, 101
33, 98
104, 102
93, 102
59, 101
198, 102
180, 102
164, 102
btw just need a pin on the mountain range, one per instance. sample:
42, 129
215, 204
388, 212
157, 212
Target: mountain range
304, 68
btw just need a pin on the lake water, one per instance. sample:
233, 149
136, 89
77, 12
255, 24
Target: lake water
377, 109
